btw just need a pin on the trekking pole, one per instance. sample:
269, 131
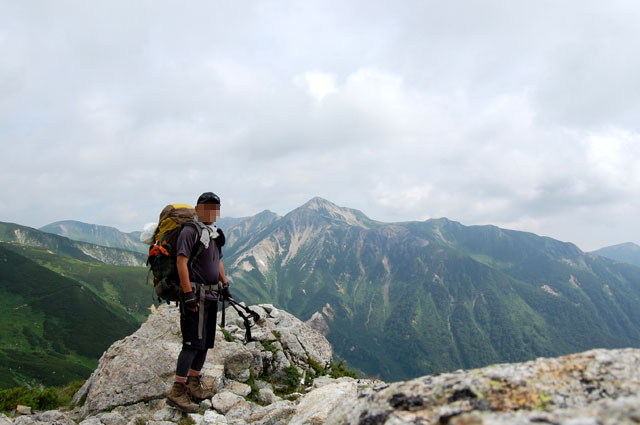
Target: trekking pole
247, 322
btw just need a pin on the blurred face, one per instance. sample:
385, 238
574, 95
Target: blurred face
208, 213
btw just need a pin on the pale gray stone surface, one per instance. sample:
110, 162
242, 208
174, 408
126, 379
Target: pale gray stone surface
111, 418
23, 410
588, 387
92, 421
279, 412
46, 418
316, 406
4, 419
267, 396
167, 414
206, 404
212, 417
238, 388
224, 401
141, 367
197, 418
238, 364
134, 410
238, 413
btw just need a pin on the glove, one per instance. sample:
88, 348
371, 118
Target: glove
226, 293
190, 301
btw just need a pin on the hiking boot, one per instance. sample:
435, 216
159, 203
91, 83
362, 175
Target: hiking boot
197, 390
179, 398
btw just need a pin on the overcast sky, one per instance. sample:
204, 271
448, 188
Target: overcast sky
522, 114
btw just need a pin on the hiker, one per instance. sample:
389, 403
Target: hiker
198, 302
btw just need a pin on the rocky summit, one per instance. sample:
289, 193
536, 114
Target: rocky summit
281, 378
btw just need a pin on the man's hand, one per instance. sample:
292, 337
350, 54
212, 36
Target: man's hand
190, 301
226, 293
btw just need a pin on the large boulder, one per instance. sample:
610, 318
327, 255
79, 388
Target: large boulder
316, 406
302, 342
584, 385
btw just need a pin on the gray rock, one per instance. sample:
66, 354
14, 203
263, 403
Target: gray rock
276, 413
160, 423
206, 404
93, 420
263, 384
225, 401
238, 413
214, 378
49, 417
214, 418
238, 388
315, 407
167, 414
141, 366
111, 418
23, 410
580, 388
4, 420
305, 341
196, 418
134, 410
237, 365
267, 396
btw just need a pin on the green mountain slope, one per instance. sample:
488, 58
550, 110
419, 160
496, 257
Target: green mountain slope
52, 328
436, 294
624, 252
23, 235
124, 288
98, 235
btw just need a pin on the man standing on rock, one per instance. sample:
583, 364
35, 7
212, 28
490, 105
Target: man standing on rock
199, 279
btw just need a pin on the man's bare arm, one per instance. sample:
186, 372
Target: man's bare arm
183, 273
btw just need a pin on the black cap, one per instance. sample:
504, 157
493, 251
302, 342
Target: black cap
208, 198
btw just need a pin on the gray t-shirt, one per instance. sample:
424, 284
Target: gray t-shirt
205, 268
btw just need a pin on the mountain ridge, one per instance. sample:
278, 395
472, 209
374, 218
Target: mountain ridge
24, 235
627, 252
436, 292
96, 234
434, 285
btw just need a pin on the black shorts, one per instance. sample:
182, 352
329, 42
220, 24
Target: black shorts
189, 327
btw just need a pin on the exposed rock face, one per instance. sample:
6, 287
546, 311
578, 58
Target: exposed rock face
545, 390
141, 367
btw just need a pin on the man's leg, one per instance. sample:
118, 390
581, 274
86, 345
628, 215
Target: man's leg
197, 390
179, 395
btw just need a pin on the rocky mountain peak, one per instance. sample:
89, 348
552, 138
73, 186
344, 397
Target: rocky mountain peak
321, 208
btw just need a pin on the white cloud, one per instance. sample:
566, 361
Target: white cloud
516, 114
317, 83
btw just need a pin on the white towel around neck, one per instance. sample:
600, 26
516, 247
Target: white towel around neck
209, 233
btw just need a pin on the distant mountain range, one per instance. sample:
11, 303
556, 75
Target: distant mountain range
396, 300
28, 236
99, 235
404, 299
624, 252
